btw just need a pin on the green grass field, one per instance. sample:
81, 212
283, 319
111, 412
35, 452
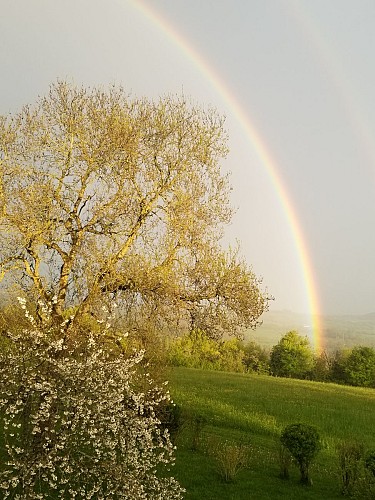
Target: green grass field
252, 410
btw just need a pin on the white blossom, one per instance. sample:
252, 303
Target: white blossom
74, 423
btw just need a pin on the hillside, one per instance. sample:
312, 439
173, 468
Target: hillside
252, 410
338, 331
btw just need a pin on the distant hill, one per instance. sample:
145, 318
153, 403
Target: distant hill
339, 331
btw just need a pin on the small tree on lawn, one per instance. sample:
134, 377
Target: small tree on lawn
303, 442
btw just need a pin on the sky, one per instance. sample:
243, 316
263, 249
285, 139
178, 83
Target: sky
295, 80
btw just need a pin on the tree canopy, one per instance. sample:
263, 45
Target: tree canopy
360, 367
292, 356
104, 196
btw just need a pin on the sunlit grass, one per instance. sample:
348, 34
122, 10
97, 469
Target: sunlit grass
253, 409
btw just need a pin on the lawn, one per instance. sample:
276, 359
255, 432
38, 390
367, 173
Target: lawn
252, 410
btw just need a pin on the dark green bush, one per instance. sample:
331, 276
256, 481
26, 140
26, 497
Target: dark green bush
370, 462
303, 442
198, 424
337, 369
360, 367
350, 454
171, 418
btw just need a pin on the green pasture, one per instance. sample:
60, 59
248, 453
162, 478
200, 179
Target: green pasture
252, 410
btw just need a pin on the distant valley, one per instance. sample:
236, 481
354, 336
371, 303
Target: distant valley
338, 331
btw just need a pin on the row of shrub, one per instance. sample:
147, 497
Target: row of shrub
291, 357
299, 443
356, 468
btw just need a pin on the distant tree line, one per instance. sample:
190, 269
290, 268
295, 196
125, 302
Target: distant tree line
293, 357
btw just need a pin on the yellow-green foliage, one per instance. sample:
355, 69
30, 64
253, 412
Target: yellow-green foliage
197, 350
230, 458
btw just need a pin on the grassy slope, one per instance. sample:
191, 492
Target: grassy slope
253, 409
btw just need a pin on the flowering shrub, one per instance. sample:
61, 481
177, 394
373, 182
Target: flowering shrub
78, 419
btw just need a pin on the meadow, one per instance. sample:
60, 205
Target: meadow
251, 410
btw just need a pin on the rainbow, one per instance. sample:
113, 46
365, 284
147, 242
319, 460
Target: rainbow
262, 152
346, 90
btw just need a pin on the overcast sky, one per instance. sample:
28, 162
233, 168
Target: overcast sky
303, 73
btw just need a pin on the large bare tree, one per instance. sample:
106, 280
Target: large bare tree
105, 196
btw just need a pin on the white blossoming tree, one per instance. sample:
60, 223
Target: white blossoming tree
78, 420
